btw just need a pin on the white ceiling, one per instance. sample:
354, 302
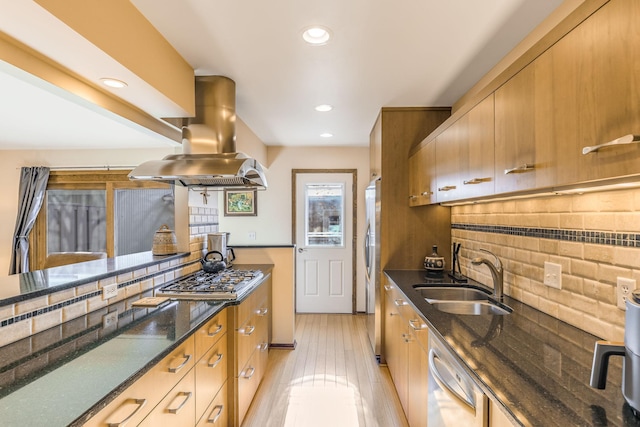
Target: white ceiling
382, 53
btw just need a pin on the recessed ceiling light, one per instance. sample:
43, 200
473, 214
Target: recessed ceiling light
114, 83
324, 108
326, 135
316, 35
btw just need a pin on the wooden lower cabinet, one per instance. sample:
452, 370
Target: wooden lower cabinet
406, 357
178, 408
217, 414
497, 418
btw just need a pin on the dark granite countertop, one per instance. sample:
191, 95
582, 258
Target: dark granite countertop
64, 375
536, 366
24, 286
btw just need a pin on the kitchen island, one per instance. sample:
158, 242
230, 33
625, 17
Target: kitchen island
66, 374
535, 367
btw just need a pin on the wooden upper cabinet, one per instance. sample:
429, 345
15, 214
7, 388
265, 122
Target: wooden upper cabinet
465, 155
593, 85
422, 173
524, 153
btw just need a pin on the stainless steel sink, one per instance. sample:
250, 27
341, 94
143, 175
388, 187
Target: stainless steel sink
461, 300
471, 307
448, 293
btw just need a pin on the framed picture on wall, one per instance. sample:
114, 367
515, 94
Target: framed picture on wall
240, 203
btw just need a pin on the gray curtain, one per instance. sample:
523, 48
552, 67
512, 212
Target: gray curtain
33, 185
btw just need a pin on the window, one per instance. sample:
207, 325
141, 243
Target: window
324, 205
99, 211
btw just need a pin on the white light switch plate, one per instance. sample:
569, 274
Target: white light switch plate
553, 275
624, 289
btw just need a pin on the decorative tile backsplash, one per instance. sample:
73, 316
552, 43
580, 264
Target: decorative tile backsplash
595, 237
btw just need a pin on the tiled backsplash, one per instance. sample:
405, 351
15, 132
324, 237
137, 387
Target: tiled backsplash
594, 236
20, 320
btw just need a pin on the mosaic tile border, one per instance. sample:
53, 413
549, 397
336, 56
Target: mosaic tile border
60, 305
630, 240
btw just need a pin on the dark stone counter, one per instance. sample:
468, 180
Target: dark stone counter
25, 286
536, 366
64, 375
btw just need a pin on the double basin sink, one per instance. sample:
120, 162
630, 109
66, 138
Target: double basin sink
458, 299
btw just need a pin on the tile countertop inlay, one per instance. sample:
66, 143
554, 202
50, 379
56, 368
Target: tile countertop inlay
62, 376
538, 367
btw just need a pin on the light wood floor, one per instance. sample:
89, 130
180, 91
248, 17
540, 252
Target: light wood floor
330, 379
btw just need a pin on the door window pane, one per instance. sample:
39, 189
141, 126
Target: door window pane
325, 215
76, 221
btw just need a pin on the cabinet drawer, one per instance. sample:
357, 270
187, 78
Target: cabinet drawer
178, 406
141, 397
217, 414
211, 373
210, 333
247, 383
248, 338
255, 301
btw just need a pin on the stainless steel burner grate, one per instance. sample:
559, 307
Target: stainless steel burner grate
227, 284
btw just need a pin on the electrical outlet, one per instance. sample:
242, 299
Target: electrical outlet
109, 291
553, 275
252, 235
624, 289
110, 320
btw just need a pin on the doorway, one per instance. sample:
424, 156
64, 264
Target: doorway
324, 224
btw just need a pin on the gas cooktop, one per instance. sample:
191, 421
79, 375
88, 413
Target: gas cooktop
227, 284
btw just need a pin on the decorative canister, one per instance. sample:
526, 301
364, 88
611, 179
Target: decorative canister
164, 242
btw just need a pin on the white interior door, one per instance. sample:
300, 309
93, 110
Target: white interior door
324, 230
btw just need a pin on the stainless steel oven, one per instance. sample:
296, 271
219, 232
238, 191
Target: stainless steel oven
453, 399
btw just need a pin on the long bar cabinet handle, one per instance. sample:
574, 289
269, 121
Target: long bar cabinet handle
247, 375
263, 346
426, 193
399, 302
262, 311
214, 418
416, 325
447, 188
476, 181
623, 140
216, 332
187, 396
248, 330
140, 403
527, 167
187, 358
388, 287
216, 362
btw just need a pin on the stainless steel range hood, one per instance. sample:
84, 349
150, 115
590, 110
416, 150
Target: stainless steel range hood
209, 158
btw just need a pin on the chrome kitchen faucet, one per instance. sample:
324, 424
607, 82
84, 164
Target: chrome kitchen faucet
496, 272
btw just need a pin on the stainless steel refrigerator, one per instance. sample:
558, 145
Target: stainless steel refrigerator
372, 273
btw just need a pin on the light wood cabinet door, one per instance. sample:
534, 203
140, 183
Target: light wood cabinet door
593, 82
476, 130
524, 154
449, 152
211, 374
396, 348
417, 382
422, 176
178, 408
217, 414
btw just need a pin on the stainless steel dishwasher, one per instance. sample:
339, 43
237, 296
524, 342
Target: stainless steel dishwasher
454, 399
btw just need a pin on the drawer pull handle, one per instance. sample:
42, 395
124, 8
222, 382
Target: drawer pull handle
217, 361
476, 181
187, 396
527, 167
447, 188
187, 358
416, 325
247, 331
388, 287
406, 338
426, 193
623, 140
263, 346
214, 418
399, 302
216, 332
248, 373
262, 311
139, 402
413, 197
393, 314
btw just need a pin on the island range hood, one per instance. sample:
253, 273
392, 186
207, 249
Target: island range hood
209, 158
